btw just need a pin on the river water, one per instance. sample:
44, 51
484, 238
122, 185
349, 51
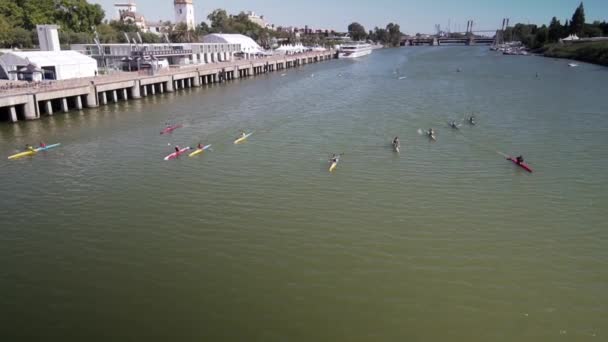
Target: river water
101, 239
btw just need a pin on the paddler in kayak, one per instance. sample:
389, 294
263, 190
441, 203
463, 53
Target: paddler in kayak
453, 124
396, 142
29, 148
42, 144
519, 160
176, 148
199, 146
334, 158
430, 133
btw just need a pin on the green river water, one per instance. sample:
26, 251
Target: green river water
102, 240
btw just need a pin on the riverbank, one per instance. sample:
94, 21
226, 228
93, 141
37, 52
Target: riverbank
591, 52
30, 101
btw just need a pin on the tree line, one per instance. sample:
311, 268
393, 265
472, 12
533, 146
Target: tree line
389, 36
536, 37
78, 20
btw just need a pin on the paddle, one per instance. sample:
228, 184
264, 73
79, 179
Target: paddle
503, 154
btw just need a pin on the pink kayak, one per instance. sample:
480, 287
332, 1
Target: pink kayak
177, 154
522, 165
170, 129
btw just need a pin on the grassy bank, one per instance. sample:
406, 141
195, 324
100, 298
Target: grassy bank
593, 52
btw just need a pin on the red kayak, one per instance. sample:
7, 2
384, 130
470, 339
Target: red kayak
522, 164
177, 153
170, 129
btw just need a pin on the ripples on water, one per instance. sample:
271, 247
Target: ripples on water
258, 241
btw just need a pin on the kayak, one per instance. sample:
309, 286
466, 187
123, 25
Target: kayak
177, 154
47, 147
333, 165
199, 151
243, 138
170, 129
22, 154
31, 153
522, 165
432, 137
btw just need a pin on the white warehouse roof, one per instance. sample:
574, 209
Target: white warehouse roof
63, 64
46, 58
248, 45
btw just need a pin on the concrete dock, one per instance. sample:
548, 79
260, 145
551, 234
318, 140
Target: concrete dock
33, 101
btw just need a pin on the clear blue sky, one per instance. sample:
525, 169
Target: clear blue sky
412, 16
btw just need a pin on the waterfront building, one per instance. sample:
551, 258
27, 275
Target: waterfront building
157, 27
259, 20
127, 13
184, 13
120, 56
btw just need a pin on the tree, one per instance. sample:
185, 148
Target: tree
541, 37
394, 34
604, 27
356, 31
555, 31
5, 29
593, 30
577, 23
202, 29
150, 38
219, 20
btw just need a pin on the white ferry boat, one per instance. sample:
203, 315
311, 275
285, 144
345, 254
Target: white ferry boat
355, 50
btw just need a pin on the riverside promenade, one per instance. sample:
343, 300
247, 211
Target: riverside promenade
31, 101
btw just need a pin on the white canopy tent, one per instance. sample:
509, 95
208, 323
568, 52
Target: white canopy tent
248, 45
57, 65
291, 49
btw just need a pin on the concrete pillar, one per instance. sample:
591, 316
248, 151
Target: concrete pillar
169, 88
135, 90
182, 83
144, 89
78, 102
125, 94
49, 107
13, 113
197, 80
114, 96
189, 82
237, 73
92, 100
104, 98
30, 109
64, 105
153, 88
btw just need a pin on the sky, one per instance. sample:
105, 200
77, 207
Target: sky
412, 16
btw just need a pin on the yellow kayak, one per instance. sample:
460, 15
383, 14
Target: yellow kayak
199, 151
22, 154
243, 138
333, 166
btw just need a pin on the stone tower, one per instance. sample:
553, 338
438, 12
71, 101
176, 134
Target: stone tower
184, 13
